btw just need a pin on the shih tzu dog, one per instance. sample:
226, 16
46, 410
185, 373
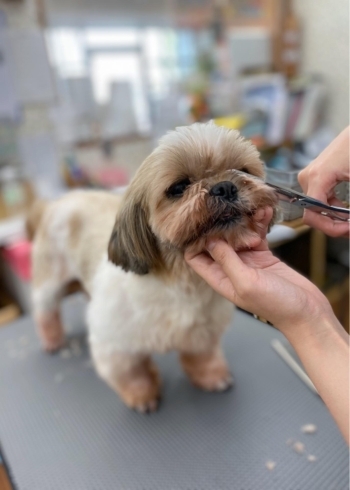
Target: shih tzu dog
128, 254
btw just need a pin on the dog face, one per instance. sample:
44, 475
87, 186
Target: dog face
186, 191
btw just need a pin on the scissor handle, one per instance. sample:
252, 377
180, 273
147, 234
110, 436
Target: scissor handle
321, 208
306, 202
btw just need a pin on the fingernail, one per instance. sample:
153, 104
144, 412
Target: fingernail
211, 245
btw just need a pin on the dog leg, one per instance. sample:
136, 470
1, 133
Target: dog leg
46, 300
50, 330
133, 376
207, 370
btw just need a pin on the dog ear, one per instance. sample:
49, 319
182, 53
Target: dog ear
133, 245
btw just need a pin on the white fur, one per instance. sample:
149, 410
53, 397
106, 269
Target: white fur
144, 314
46, 297
127, 312
130, 316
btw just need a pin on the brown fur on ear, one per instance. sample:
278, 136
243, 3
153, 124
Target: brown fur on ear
133, 245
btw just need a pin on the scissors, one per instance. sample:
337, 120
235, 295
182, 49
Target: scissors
296, 198
306, 202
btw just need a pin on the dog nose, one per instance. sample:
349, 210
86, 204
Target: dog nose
226, 190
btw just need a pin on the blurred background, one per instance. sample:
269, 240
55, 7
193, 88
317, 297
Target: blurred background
87, 88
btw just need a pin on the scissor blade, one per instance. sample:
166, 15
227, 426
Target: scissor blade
285, 193
306, 202
301, 200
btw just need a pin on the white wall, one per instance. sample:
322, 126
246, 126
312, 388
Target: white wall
326, 50
108, 12
23, 15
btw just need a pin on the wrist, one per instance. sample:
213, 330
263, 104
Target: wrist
315, 332
323, 349
308, 314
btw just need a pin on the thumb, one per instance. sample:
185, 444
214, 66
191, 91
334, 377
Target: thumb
230, 262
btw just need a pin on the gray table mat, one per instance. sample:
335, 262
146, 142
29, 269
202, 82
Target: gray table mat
62, 428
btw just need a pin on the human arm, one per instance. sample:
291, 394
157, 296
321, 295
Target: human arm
258, 282
320, 177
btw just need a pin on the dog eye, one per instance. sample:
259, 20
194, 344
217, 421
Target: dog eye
177, 190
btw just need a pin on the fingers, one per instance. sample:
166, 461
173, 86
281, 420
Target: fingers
264, 216
262, 219
196, 259
213, 274
222, 263
303, 179
229, 262
317, 182
320, 186
330, 227
316, 186
312, 182
332, 166
334, 201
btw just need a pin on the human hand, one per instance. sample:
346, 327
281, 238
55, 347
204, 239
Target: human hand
320, 177
260, 283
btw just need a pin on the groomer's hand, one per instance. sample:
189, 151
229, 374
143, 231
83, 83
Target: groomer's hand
260, 283
319, 179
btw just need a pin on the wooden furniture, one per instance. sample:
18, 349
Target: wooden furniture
4, 481
9, 310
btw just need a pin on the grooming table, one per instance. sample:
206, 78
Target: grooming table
62, 428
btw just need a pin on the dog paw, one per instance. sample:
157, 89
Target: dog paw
50, 331
142, 393
148, 407
52, 345
218, 385
224, 384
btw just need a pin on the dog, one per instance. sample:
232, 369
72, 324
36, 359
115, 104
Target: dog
127, 252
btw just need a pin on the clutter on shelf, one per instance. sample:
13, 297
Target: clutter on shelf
286, 120
16, 192
104, 174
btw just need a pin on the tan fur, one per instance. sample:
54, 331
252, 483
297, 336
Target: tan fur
207, 370
147, 213
50, 330
89, 228
139, 386
75, 229
34, 217
152, 301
